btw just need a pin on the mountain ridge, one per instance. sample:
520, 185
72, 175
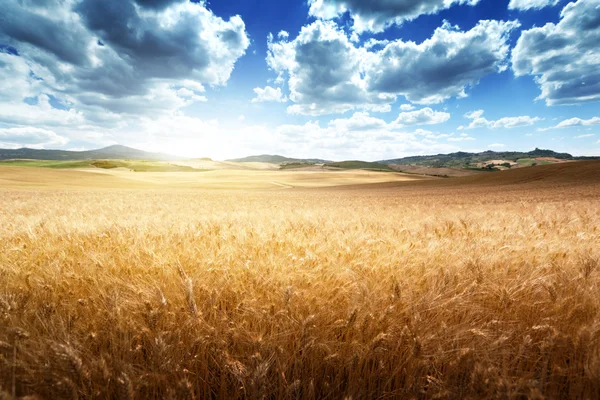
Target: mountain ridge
462, 159
458, 159
113, 152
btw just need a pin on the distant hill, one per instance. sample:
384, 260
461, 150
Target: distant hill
276, 159
467, 160
116, 152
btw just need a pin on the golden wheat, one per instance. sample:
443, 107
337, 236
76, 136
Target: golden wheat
300, 294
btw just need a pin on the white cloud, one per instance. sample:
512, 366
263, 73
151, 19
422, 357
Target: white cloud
186, 93
360, 136
41, 114
424, 116
30, 137
462, 138
268, 94
376, 15
497, 146
514, 122
327, 73
572, 122
360, 121
407, 107
91, 67
531, 4
444, 65
584, 136
324, 71
17, 78
579, 122
563, 57
479, 121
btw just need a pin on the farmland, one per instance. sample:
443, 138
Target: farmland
299, 284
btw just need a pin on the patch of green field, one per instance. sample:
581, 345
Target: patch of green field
295, 165
46, 164
142, 166
360, 165
137, 166
151, 166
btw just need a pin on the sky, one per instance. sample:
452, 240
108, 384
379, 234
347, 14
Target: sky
333, 79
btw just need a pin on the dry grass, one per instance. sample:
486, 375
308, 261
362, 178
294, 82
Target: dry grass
224, 179
384, 293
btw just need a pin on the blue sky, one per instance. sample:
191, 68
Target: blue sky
336, 79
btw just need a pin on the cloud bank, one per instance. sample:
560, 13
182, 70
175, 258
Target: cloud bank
327, 73
563, 57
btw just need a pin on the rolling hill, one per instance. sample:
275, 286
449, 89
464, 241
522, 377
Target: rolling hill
116, 152
560, 174
581, 175
474, 160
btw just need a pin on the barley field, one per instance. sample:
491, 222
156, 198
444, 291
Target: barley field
459, 288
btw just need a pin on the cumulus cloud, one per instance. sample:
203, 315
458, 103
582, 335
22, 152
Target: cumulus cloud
327, 73
572, 122
479, 121
106, 64
30, 137
563, 57
424, 116
324, 71
184, 40
462, 138
268, 94
376, 15
407, 107
19, 79
584, 136
531, 4
497, 146
360, 121
41, 112
579, 122
442, 66
514, 122
29, 24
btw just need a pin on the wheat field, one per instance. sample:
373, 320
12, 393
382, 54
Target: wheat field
416, 291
